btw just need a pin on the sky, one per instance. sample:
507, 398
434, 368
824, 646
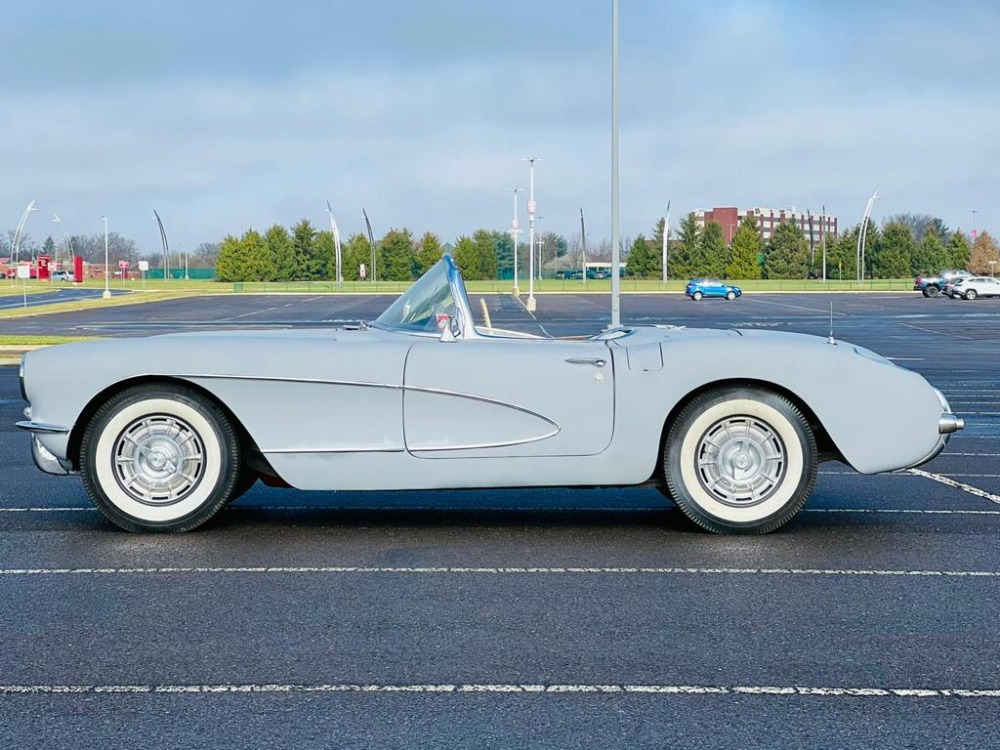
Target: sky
228, 115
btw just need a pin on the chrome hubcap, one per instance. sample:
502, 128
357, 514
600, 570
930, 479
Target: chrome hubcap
159, 460
741, 461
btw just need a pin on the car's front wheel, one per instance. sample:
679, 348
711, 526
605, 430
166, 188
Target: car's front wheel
740, 460
159, 458
730, 295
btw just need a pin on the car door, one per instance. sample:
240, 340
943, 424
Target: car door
494, 397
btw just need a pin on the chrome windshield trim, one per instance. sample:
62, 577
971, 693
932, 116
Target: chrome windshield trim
51, 429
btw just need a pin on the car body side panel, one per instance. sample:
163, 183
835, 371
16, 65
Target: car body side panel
326, 405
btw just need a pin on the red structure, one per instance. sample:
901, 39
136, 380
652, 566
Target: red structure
78, 269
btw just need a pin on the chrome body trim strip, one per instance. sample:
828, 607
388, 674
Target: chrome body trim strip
429, 449
51, 429
374, 449
47, 462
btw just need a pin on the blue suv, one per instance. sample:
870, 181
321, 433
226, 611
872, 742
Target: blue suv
698, 288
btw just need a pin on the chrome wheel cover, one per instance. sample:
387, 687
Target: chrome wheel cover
158, 460
741, 461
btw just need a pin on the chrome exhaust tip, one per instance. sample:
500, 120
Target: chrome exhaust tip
949, 423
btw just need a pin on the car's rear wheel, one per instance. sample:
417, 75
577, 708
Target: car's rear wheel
971, 294
931, 291
697, 296
159, 458
730, 295
740, 460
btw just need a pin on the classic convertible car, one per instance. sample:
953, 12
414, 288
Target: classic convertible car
166, 430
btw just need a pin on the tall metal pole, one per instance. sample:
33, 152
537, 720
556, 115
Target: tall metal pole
335, 230
615, 176
16, 247
371, 242
66, 242
515, 229
583, 248
863, 236
974, 212
530, 305
823, 240
107, 287
166, 246
666, 249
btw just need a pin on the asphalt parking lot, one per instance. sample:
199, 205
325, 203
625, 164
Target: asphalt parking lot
546, 618
57, 294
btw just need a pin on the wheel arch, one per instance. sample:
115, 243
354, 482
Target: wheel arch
88, 412
828, 450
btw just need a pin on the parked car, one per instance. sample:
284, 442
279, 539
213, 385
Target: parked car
731, 425
931, 286
62, 276
698, 288
975, 286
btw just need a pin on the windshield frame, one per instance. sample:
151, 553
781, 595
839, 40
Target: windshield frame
462, 318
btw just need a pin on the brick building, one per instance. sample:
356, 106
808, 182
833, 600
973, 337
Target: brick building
729, 217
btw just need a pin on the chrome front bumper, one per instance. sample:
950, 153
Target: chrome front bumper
42, 456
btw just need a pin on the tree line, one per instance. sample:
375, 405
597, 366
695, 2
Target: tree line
905, 245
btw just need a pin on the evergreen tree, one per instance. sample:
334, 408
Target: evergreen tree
230, 264
713, 253
892, 252
357, 252
428, 252
930, 256
483, 263
279, 247
396, 256
684, 254
465, 255
841, 255
49, 247
325, 255
258, 262
746, 247
787, 252
959, 251
642, 262
306, 263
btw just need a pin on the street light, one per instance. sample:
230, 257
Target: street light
863, 236
666, 248
532, 208
69, 247
16, 248
515, 229
615, 175
107, 286
336, 245
974, 212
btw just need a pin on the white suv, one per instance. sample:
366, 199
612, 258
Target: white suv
976, 286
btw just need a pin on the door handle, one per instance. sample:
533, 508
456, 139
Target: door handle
594, 362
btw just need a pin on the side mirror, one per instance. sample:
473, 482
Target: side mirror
446, 324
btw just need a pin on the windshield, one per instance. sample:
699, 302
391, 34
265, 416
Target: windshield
419, 307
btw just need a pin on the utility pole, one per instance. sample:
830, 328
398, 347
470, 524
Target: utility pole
666, 237
530, 305
583, 248
615, 176
515, 229
823, 240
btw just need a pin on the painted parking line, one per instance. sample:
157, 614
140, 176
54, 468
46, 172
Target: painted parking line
948, 481
498, 571
760, 691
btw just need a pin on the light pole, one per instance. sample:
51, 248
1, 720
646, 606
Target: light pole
541, 244
666, 249
974, 212
371, 242
616, 317
107, 287
16, 247
823, 240
993, 268
66, 242
336, 246
515, 229
863, 236
532, 208
166, 246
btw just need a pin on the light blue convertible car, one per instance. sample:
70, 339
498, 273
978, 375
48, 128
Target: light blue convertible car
166, 430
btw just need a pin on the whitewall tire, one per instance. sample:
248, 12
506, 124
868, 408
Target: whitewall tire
740, 460
159, 458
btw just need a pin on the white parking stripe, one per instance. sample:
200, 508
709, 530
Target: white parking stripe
500, 571
506, 688
958, 485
